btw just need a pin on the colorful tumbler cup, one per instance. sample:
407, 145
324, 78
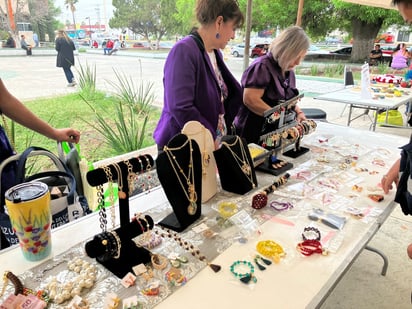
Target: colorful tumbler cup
28, 205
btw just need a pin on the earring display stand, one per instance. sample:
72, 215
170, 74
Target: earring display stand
282, 131
179, 169
269, 166
196, 131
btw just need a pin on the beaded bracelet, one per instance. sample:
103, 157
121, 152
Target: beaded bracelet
244, 277
279, 206
111, 245
270, 249
259, 201
227, 209
310, 246
118, 244
311, 233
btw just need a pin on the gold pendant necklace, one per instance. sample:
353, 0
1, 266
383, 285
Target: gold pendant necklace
242, 161
190, 193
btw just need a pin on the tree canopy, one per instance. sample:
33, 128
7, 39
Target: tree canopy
148, 18
156, 18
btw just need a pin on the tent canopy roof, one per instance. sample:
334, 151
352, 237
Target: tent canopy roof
387, 4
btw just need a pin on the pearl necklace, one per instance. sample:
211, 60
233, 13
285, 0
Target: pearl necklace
60, 292
190, 193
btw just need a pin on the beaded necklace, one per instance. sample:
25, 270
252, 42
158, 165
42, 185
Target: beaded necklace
242, 160
190, 193
187, 246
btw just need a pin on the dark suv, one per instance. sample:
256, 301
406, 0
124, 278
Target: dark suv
259, 50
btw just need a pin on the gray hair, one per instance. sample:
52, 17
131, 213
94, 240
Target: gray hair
288, 45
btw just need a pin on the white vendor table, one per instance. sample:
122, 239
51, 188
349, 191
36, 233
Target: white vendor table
297, 281
352, 97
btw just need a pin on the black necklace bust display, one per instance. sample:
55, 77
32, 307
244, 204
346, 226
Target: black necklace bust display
179, 169
236, 171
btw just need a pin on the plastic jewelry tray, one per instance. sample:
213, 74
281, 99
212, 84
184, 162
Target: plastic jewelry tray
261, 154
38, 277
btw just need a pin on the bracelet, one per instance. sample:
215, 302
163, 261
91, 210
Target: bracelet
227, 209
270, 249
310, 246
159, 262
259, 201
246, 276
311, 233
118, 244
18, 285
111, 245
279, 206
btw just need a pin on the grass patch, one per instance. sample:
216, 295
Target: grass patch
69, 111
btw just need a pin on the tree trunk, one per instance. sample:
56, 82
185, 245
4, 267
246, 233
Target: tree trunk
364, 35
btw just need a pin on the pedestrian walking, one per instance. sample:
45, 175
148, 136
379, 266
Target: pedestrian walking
65, 56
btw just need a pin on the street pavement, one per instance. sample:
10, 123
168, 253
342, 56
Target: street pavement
37, 76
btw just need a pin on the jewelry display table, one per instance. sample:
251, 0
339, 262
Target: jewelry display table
297, 281
352, 97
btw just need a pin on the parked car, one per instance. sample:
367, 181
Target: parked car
238, 50
342, 51
259, 50
333, 41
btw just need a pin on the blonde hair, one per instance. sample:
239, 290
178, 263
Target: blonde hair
63, 34
288, 45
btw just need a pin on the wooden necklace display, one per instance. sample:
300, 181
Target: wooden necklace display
196, 131
236, 170
179, 170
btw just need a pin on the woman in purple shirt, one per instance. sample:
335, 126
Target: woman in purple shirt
197, 84
269, 80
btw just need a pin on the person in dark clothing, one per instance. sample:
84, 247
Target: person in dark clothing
65, 56
25, 45
10, 43
375, 56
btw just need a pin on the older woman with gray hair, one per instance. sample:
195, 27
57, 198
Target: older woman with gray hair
270, 80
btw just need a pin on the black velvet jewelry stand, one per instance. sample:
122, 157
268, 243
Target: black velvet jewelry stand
232, 178
267, 167
297, 151
133, 255
130, 254
180, 219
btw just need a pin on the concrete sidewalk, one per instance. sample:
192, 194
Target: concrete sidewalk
362, 287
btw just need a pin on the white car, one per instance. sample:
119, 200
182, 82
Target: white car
238, 50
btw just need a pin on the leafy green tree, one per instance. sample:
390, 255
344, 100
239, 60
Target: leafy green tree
43, 18
148, 18
364, 23
320, 17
